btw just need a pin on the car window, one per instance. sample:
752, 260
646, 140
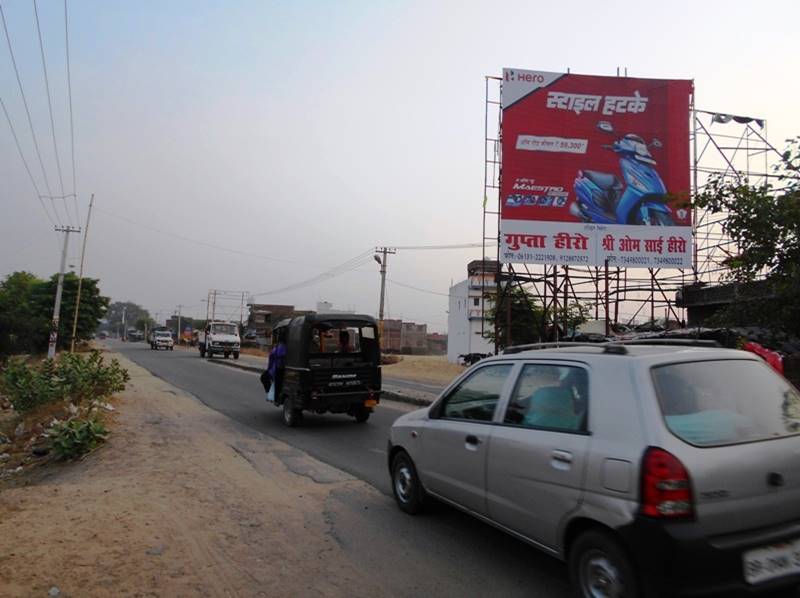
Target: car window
711, 403
477, 396
553, 397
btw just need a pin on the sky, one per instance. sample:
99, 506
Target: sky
248, 146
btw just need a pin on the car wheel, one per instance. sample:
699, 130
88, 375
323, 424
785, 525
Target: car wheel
202, 353
236, 355
362, 414
291, 416
598, 566
172, 348
406, 487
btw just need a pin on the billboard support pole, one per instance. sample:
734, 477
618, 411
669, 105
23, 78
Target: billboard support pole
608, 324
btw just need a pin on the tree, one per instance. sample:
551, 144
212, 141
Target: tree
26, 310
21, 328
133, 313
764, 223
93, 307
526, 316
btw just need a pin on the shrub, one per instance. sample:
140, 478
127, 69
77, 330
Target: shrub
72, 377
70, 440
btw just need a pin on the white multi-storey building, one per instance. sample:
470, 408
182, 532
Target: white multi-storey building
467, 320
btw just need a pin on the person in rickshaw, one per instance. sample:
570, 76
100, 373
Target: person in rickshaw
273, 376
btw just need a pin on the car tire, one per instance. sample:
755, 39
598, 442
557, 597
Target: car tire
226, 355
362, 415
236, 355
291, 416
406, 486
172, 348
598, 565
202, 352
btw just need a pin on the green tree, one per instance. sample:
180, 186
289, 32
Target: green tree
518, 306
133, 313
92, 308
21, 327
764, 223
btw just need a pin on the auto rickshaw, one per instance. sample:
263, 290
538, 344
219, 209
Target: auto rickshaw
333, 365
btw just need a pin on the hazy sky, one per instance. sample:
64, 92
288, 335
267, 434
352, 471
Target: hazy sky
311, 131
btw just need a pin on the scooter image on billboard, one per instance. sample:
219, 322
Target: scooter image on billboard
602, 198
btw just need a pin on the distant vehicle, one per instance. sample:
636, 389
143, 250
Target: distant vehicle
135, 335
162, 339
653, 470
332, 366
219, 338
102, 335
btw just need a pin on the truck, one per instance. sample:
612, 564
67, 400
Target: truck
219, 338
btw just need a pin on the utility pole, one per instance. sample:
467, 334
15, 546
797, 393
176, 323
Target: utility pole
382, 260
124, 323
178, 339
51, 347
80, 278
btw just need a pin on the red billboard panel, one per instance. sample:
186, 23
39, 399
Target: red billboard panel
595, 169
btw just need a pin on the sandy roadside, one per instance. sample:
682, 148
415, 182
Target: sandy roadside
181, 502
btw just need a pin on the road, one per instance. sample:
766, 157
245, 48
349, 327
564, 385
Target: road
443, 553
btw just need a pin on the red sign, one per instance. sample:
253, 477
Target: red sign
595, 169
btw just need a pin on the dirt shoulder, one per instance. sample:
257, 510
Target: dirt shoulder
181, 501
424, 368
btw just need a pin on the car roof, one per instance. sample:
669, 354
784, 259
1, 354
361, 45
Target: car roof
653, 353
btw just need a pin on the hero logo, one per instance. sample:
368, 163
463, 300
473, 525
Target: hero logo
525, 77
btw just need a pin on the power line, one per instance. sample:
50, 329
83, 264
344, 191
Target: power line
50, 107
343, 268
71, 121
425, 247
27, 112
25, 162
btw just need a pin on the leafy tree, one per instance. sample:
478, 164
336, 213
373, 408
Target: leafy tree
764, 223
518, 306
26, 309
21, 327
133, 313
92, 308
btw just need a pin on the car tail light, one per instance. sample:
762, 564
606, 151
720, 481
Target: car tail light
666, 487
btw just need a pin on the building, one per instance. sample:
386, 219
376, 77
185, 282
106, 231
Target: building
468, 319
404, 337
437, 343
262, 318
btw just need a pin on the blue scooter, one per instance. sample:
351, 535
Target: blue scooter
601, 197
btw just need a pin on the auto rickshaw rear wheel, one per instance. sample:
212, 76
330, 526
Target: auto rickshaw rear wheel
291, 416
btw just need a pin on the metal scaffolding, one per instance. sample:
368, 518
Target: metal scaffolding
722, 145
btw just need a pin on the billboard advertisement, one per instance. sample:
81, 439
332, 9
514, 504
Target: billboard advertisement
595, 169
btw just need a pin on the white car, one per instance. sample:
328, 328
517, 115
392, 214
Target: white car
162, 339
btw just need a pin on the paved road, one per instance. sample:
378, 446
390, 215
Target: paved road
444, 553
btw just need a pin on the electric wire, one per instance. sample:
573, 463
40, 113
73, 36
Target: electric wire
27, 112
71, 120
25, 162
50, 108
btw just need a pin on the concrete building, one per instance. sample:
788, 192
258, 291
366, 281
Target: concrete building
262, 318
437, 343
404, 337
468, 312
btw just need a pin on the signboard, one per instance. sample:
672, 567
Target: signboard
595, 169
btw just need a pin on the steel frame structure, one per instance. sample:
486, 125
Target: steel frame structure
731, 147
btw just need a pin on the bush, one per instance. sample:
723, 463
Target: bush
73, 377
77, 437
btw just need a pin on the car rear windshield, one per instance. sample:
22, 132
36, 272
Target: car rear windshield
164, 334
713, 403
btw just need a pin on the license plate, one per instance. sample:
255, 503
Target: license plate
771, 562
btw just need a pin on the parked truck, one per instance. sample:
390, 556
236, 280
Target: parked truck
219, 338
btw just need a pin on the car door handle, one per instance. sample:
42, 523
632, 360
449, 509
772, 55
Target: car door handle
472, 441
562, 457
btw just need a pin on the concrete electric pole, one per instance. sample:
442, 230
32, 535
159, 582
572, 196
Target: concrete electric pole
178, 338
384, 251
80, 278
51, 346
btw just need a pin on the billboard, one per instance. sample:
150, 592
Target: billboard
595, 169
